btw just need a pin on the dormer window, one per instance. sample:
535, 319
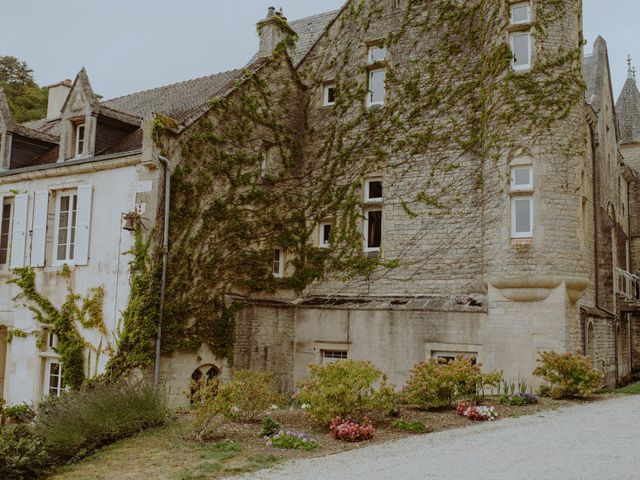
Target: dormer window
79, 139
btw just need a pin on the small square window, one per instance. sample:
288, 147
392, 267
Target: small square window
325, 235
520, 13
521, 179
377, 54
278, 262
329, 95
333, 356
521, 48
376, 88
522, 217
373, 191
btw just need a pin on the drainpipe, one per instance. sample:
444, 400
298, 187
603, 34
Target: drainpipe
165, 253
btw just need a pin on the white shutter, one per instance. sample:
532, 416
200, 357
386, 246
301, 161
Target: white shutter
19, 233
39, 231
83, 222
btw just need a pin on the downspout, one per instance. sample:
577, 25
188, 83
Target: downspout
165, 253
595, 216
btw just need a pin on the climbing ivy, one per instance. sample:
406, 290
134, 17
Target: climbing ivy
265, 164
64, 321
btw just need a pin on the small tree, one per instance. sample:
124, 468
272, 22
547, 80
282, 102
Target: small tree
345, 389
435, 384
568, 375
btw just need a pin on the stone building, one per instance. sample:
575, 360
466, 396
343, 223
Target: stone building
492, 234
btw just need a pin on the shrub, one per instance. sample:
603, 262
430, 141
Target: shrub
568, 375
291, 441
20, 412
518, 399
244, 398
269, 427
414, 427
350, 431
478, 413
348, 388
22, 456
435, 384
79, 422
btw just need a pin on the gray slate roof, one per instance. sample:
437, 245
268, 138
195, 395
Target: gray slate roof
309, 31
628, 110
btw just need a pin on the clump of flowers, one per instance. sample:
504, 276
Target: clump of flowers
350, 431
522, 398
290, 441
478, 413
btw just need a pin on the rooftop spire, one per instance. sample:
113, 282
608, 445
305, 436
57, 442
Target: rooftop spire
631, 71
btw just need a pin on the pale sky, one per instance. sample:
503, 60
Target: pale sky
133, 45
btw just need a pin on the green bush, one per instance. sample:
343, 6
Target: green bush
21, 412
79, 422
413, 427
568, 375
269, 427
346, 389
243, 399
435, 384
22, 456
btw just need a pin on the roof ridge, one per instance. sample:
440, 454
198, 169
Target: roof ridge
330, 12
170, 85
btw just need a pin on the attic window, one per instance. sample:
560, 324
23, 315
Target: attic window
79, 139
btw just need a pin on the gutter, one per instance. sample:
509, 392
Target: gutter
165, 253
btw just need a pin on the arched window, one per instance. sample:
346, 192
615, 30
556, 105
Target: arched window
202, 376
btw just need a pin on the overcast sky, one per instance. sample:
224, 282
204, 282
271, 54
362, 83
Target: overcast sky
133, 45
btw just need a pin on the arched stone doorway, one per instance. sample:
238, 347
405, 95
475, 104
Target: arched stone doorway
202, 376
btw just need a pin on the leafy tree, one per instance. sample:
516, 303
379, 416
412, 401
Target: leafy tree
27, 100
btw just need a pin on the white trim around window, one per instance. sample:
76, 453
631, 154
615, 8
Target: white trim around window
373, 191
520, 13
521, 179
521, 44
324, 234
278, 262
377, 54
377, 87
65, 228
79, 134
329, 95
372, 229
522, 216
53, 378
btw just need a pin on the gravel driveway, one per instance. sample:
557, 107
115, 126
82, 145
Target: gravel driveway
597, 441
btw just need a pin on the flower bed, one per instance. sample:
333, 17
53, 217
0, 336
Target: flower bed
349, 431
291, 441
478, 413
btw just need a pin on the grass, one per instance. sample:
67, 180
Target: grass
631, 389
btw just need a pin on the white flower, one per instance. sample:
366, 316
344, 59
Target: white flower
305, 406
273, 407
235, 409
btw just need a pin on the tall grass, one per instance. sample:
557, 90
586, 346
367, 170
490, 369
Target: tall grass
80, 422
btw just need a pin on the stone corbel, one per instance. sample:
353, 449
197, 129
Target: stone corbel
538, 288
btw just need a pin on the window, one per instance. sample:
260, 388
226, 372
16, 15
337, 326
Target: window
521, 48
522, 217
6, 216
65, 232
52, 341
332, 356
53, 381
278, 262
373, 191
377, 54
520, 13
325, 235
446, 357
329, 95
376, 88
79, 139
521, 179
373, 230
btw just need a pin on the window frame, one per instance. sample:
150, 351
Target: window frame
370, 54
10, 202
367, 248
343, 355
321, 237
516, 5
529, 233
528, 65
367, 191
521, 188
370, 102
79, 140
56, 235
438, 354
325, 94
280, 262
60, 387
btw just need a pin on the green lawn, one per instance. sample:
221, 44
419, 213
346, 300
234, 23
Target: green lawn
633, 388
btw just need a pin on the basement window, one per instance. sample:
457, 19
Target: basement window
447, 357
333, 356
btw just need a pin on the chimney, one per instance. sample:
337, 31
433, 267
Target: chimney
272, 31
58, 94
